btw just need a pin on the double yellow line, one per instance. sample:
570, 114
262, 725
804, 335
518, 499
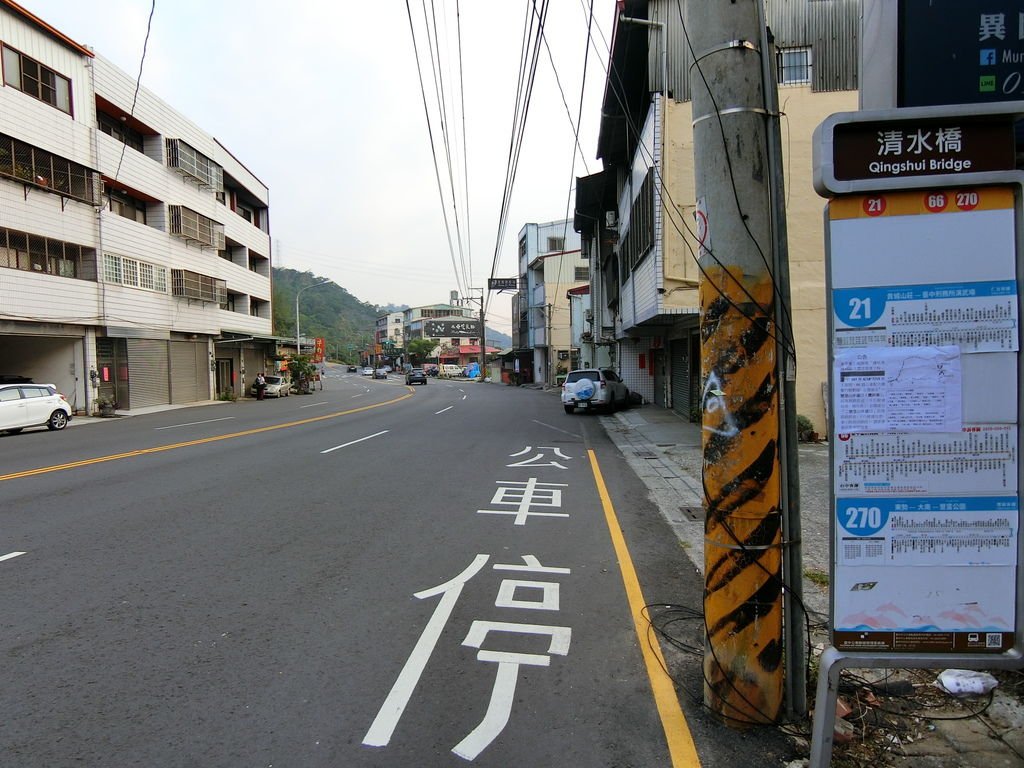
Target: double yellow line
188, 443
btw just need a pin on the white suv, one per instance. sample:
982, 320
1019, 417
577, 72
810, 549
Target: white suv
32, 405
592, 388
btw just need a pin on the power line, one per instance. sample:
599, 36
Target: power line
433, 148
524, 94
138, 80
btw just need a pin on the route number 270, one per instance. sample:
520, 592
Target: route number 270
858, 518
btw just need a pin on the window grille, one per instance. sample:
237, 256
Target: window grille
44, 255
794, 66
194, 227
193, 164
134, 273
111, 268
582, 274
192, 285
45, 170
556, 244
638, 239
146, 276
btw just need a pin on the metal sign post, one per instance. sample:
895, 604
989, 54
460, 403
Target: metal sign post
923, 259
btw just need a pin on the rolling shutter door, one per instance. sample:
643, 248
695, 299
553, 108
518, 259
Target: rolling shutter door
189, 377
681, 377
147, 372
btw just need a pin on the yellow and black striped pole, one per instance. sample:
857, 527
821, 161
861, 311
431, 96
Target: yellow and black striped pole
743, 529
744, 656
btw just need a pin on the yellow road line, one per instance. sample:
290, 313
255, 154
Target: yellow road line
680, 742
201, 441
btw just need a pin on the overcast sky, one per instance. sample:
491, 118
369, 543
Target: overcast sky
321, 100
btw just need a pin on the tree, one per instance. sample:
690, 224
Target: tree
302, 372
420, 349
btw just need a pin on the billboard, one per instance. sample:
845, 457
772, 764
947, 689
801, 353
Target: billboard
503, 283
952, 52
452, 328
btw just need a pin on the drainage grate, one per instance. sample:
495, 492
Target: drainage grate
693, 514
646, 455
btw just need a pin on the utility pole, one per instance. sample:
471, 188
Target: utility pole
483, 335
744, 478
549, 374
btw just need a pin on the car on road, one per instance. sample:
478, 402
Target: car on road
352, 369
416, 376
593, 388
277, 386
451, 370
32, 405
380, 373
367, 371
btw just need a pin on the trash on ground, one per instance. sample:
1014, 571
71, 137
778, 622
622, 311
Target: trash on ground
965, 682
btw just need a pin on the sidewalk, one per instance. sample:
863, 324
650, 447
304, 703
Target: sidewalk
665, 451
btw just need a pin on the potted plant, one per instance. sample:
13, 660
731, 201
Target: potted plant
106, 405
805, 430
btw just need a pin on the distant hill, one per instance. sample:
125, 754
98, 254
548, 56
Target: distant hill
498, 339
346, 324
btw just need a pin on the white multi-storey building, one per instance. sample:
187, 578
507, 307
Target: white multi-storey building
550, 263
134, 248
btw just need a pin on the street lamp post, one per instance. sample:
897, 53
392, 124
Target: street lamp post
298, 336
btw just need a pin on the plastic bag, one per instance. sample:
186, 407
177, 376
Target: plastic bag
966, 682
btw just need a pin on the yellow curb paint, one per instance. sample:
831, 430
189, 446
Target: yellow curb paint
202, 441
680, 742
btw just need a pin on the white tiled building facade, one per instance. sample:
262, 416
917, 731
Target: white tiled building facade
134, 248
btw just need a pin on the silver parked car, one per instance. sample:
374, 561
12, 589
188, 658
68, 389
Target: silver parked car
277, 386
593, 388
32, 405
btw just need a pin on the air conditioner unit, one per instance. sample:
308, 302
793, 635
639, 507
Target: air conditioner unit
611, 219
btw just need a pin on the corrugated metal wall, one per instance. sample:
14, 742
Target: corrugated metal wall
147, 365
190, 381
830, 27
680, 368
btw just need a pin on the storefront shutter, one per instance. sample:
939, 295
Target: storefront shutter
147, 372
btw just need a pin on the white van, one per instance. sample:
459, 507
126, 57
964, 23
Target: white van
449, 370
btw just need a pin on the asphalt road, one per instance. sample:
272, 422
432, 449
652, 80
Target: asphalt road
372, 575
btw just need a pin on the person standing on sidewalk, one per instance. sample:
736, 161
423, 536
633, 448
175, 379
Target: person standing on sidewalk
261, 385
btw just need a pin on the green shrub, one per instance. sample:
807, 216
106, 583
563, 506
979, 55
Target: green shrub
804, 424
